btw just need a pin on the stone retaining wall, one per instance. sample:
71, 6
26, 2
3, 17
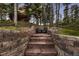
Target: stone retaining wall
67, 45
13, 43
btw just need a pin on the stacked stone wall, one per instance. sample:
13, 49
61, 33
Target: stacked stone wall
13, 43
67, 45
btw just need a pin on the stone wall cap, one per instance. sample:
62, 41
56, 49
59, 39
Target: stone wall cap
69, 36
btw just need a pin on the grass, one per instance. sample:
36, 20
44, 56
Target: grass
19, 26
8, 28
67, 31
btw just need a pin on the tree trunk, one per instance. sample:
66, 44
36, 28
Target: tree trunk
51, 14
1, 16
44, 13
57, 13
15, 13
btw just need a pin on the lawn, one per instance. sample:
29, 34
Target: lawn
67, 31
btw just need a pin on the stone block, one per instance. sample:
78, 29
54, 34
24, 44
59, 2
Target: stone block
76, 43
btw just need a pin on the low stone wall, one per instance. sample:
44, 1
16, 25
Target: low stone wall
67, 45
13, 43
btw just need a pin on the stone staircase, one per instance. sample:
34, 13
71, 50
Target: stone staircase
40, 44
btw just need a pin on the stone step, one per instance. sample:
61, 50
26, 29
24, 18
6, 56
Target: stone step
41, 46
38, 43
41, 35
41, 39
41, 52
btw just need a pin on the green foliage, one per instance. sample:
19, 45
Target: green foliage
34, 8
6, 21
74, 13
